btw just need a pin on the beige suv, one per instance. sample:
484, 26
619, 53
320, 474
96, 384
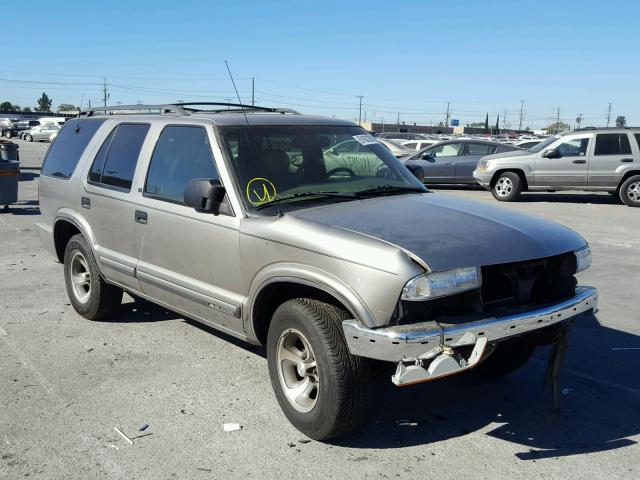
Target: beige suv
244, 219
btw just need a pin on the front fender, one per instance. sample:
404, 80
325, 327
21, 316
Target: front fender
308, 276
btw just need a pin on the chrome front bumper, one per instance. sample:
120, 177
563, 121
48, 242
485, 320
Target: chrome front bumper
423, 341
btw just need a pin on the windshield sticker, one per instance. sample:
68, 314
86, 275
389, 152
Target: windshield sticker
365, 139
259, 191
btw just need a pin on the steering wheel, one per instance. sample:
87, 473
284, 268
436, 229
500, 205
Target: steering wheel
341, 169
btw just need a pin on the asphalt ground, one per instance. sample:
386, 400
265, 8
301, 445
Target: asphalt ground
66, 382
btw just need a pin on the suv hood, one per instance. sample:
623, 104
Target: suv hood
446, 232
509, 154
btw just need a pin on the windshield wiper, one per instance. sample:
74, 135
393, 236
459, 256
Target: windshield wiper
384, 189
306, 194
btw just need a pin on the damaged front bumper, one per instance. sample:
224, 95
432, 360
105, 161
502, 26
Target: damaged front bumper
426, 351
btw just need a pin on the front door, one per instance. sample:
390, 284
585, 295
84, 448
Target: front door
612, 151
440, 165
570, 168
188, 259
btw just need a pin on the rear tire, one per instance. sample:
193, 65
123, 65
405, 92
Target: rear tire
90, 295
507, 357
507, 187
322, 389
630, 191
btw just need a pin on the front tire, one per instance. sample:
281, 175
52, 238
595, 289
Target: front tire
507, 187
322, 389
28, 138
630, 191
90, 295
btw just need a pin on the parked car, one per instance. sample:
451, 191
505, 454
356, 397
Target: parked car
403, 136
454, 161
419, 144
602, 159
527, 144
41, 133
16, 127
248, 228
395, 147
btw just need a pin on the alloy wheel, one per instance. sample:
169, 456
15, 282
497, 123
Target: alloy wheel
297, 370
80, 277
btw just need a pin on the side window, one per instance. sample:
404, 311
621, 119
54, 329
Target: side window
625, 146
478, 149
411, 145
612, 144
181, 154
65, 152
95, 174
638, 140
119, 156
448, 150
576, 147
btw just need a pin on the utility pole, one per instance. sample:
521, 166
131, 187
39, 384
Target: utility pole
446, 117
228, 101
609, 114
504, 120
521, 110
105, 93
398, 120
253, 91
558, 120
360, 97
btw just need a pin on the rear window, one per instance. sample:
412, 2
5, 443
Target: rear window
116, 162
65, 152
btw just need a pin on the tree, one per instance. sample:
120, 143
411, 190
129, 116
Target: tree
486, 124
498, 124
67, 107
8, 107
557, 127
621, 121
26, 109
44, 103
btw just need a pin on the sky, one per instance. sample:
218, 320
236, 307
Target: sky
406, 58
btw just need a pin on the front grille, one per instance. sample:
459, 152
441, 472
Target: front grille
518, 284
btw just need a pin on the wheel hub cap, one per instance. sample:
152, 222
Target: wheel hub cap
80, 277
297, 370
504, 187
633, 192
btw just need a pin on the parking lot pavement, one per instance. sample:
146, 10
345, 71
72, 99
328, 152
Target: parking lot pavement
67, 382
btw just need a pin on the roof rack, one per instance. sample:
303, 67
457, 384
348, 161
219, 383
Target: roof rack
604, 128
183, 109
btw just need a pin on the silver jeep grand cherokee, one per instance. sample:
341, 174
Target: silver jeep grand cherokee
242, 218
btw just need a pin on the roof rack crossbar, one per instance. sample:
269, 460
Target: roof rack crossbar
186, 108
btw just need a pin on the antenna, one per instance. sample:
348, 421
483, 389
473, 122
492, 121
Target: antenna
237, 94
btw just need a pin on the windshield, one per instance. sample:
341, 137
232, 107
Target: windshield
295, 165
542, 145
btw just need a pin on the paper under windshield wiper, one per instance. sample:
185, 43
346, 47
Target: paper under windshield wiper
389, 189
307, 194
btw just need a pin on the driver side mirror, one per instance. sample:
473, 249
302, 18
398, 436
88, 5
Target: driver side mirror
553, 153
417, 171
427, 156
204, 195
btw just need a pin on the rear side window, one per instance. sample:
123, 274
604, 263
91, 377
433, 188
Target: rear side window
479, 149
638, 140
116, 160
65, 152
181, 154
612, 144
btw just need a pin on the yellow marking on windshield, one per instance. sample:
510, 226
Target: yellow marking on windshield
260, 190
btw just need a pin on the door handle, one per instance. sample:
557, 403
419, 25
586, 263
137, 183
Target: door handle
449, 163
141, 217
85, 202
627, 160
579, 161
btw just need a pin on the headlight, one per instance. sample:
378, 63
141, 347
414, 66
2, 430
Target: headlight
440, 284
483, 165
583, 258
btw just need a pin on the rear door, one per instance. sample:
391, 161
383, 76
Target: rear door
440, 167
107, 201
612, 153
570, 169
468, 161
